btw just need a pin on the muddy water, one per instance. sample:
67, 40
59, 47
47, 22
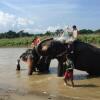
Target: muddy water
19, 86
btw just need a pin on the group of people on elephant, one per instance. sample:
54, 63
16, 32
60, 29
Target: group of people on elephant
71, 53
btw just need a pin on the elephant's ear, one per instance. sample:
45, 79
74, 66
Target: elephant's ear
42, 48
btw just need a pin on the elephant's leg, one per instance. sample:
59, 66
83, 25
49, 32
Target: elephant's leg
30, 66
47, 64
44, 64
60, 68
61, 65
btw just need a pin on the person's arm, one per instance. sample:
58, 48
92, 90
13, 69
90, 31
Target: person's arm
38, 40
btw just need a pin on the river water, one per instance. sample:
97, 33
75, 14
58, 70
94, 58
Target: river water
16, 85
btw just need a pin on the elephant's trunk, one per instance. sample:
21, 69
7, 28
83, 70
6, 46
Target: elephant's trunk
46, 43
18, 65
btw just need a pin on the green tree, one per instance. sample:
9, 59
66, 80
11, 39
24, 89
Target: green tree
86, 31
97, 31
10, 34
48, 33
59, 32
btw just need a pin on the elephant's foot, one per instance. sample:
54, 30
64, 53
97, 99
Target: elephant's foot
34, 69
30, 72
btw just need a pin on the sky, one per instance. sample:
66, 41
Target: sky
48, 15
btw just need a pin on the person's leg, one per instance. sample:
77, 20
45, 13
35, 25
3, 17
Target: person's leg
65, 81
65, 78
72, 82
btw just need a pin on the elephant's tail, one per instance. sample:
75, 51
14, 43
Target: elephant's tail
45, 42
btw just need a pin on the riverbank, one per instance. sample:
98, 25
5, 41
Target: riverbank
18, 42
26, 41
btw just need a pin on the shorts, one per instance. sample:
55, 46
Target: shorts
68, 75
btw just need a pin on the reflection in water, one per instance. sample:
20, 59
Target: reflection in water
47, 86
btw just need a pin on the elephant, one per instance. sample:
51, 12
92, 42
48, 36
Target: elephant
35, 61
84, 56
40, 61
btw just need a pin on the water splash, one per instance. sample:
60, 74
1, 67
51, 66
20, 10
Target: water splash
63, 37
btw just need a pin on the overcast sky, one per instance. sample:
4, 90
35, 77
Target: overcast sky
43, 15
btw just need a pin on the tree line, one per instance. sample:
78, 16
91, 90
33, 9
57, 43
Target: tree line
82, 31
12, 34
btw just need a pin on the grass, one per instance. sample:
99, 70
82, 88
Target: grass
25, 41
15, 42
18, 42
91, 38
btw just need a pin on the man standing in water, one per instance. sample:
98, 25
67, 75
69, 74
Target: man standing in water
70, 66
68, 76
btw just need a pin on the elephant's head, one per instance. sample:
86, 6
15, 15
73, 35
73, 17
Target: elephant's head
29, 55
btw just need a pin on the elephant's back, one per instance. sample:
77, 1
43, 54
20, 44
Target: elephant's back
82, 46
87, 57
54, 48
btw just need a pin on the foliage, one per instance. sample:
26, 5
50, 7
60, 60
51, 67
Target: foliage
86, 31
22, 38
16, 41
26, 41
91, 38
97, 31
12, 34
59, 31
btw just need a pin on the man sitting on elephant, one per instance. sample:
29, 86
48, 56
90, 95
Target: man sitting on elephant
35, 42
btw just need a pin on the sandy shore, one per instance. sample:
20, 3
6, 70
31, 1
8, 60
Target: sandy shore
12, 95
44, 90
